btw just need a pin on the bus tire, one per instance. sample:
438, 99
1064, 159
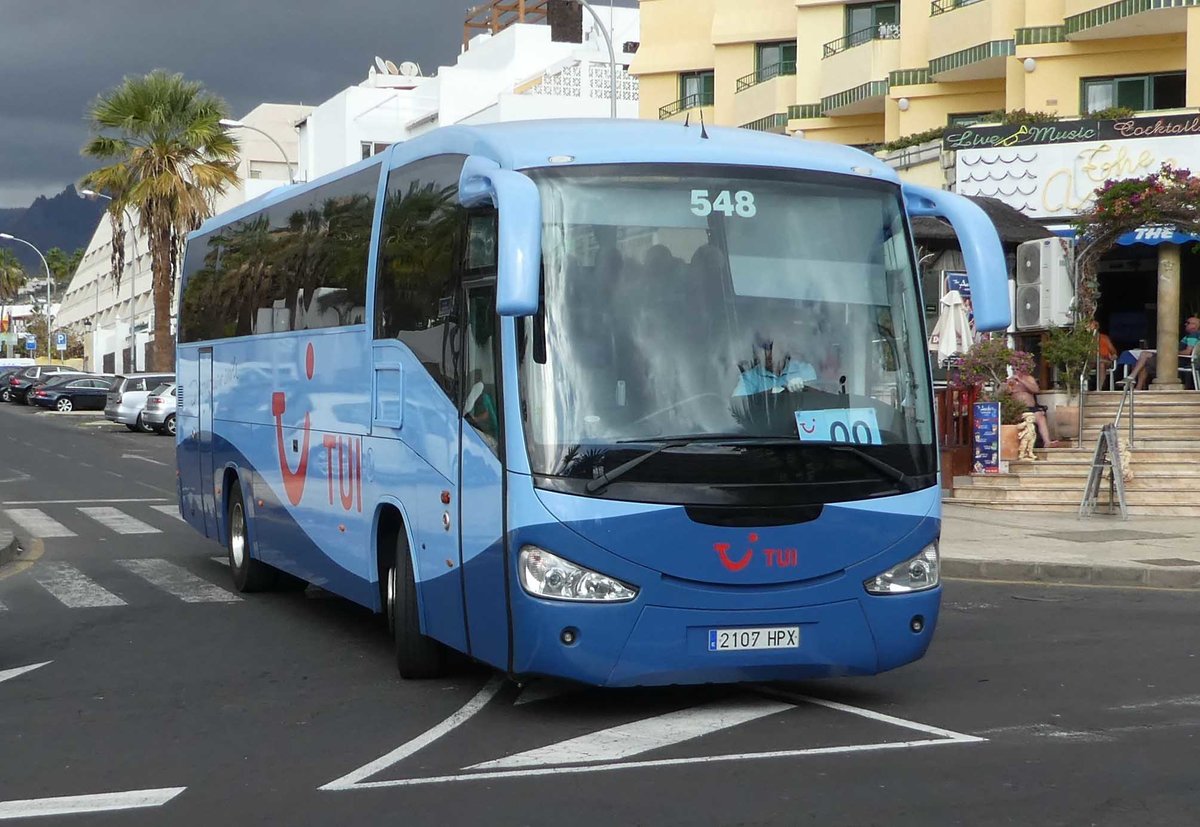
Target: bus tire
249, 575
417, 656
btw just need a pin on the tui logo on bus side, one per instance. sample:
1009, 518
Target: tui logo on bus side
775, 557
348, 454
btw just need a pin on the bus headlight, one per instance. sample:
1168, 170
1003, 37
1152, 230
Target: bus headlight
547, 575
915, 575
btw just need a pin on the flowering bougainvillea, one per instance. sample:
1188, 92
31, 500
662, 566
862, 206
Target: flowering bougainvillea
1166, 197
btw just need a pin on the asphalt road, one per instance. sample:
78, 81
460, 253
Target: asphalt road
163, 688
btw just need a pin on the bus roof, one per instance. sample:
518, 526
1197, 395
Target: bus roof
527, 144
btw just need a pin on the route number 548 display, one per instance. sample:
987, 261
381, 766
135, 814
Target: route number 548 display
740, 203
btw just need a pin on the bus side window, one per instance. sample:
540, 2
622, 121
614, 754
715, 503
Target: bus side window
481, 407
420, 249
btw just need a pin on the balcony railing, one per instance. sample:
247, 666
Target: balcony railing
943, 6
882, 31
686, 102
783, 67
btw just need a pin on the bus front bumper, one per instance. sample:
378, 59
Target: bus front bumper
645, 645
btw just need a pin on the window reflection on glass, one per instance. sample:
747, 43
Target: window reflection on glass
297, 265
685, 301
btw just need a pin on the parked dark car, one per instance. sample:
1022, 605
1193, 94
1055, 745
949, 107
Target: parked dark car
5, 375
19, 383
72, 393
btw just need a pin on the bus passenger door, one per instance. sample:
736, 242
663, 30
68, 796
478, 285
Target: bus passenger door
481, 499
204, 443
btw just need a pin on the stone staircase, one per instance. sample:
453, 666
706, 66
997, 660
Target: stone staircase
1165, 453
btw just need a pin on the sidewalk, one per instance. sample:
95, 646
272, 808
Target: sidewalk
993, 544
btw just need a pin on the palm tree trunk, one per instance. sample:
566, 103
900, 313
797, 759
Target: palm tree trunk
163, 355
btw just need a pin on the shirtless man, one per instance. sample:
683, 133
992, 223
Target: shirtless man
1024, 388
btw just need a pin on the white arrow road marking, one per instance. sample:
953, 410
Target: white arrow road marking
143, 459
421, 741
21, 670
634, 738
73, 588
592, 748
38, 523
104, 802
178, 581
119, 521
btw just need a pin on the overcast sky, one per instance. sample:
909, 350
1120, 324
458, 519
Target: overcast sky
56, 56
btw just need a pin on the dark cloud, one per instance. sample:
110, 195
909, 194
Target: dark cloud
56, 56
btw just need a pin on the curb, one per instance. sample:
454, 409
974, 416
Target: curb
1073, 574
8, 548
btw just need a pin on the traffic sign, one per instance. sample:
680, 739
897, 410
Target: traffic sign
31, 344
60, 341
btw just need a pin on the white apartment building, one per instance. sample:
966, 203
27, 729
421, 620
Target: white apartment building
517, 73
109, 318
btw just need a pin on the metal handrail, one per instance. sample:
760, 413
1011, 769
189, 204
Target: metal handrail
686, 102
1121, 410
880, 31
774, 70
943, 6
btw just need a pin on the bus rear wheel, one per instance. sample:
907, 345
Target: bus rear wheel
249, 575
417, 656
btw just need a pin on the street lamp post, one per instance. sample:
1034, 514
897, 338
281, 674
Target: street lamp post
49, 278
229, 123
132, 277
612, 55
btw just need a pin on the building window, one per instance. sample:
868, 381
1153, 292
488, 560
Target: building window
965, 119
696, 89
369, 148
782, 55
879, 18
1141, 93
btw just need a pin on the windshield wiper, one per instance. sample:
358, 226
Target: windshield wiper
624, 468
876, 463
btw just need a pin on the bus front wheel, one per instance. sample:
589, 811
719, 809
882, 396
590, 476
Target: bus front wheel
249, 575
417, 656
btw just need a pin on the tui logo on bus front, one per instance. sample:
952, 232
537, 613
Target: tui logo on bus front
348, 450
775, 557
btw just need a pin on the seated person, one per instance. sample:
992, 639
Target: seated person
1146, 363
1106, 351
764, 375
1024, 388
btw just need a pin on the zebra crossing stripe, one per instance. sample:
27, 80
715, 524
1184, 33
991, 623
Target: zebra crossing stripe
3, 608
119, 521
178, 581
73, 588
38, 523
169, 510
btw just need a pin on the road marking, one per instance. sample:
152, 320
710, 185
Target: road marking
627, 740
543, 690
223, 560
38, 523
73, 588
355, 780
142, 458
8, 674
3, 608
423, 740
77, 502
104, 802
169, 510
119, 521
178, 581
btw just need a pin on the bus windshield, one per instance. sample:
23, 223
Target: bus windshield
751, 327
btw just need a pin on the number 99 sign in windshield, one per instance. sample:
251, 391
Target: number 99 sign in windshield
851, 426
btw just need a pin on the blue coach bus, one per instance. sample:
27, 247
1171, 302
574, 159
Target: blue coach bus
622, 402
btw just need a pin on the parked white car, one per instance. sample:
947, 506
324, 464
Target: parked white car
159, 412
127, 398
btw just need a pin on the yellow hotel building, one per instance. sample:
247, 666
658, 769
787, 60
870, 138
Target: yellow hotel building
868, 73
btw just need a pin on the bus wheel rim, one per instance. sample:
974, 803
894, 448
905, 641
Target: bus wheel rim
391, 596
237, 536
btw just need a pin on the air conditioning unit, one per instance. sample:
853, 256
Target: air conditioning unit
1044, 288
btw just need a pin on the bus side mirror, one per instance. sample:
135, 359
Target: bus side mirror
519, 248
987, 271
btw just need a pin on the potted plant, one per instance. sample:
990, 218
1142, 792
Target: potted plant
986, 366
1071, 350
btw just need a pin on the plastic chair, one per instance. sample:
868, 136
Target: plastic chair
1190, 366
